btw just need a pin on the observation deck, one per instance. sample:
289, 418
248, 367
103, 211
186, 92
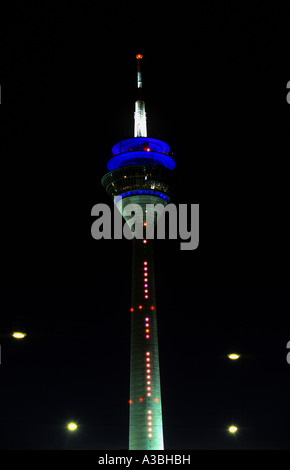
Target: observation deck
139, 166
138, 180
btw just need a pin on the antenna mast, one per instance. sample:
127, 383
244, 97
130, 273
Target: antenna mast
140, 120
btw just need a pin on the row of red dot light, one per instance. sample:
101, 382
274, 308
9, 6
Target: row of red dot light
140, 308
146, 290
148, 358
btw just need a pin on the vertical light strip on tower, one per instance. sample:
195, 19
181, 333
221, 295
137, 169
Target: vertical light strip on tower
140, 172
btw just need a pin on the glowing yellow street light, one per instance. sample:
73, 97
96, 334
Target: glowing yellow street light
233, 429
72, 426
18, 334
234, 356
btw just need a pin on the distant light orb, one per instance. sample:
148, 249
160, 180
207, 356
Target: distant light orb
18, 334
234, 356
233, 429
72, 426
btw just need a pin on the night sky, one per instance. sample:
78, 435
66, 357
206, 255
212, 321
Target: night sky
214, 79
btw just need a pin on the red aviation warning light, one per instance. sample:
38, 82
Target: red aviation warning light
139, 56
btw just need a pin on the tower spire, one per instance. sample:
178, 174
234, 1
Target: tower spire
140, 120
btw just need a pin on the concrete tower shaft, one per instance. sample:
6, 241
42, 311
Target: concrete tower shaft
145, 426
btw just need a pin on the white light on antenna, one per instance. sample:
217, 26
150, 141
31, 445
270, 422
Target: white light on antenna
140, 123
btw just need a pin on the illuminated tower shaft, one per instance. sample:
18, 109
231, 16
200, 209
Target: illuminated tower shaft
140, 173
145, 427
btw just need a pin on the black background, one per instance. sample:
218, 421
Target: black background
214, 79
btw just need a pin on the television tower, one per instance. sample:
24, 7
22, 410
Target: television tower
140, 173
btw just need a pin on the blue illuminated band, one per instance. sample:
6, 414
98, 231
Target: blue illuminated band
140, 143
140, 151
